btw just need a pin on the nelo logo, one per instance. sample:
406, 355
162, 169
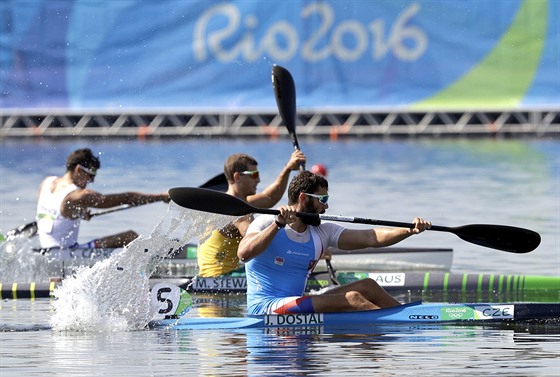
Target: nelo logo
423, 317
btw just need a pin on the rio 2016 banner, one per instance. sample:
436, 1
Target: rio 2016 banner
218, 55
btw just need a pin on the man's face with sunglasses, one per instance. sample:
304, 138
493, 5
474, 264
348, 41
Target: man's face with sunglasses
251, 173
85, 175
249, 179
315, 203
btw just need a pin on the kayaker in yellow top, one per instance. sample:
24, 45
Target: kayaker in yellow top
218, 254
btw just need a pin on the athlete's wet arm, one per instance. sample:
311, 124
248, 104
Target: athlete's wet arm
361, 238
77, 202
379, 237
254, 244
274, 192
130, 198
243, 223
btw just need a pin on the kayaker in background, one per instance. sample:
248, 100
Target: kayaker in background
218, 254
280, 251
64, 201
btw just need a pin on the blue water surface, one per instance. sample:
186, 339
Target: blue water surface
451, 182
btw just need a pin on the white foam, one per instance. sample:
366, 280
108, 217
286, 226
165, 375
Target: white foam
19, 263
113, 295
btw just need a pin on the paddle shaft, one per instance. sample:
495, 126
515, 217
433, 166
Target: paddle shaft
117, 209
361, 220
349, 219
332, 273
31, 227
501, 237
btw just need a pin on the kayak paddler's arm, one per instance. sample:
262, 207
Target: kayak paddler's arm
275, 191
254, 244
379, 237
130, 198
77, 202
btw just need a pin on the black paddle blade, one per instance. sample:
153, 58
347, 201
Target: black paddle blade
212, 201
500, 237
285, 94
218, 183
23, 231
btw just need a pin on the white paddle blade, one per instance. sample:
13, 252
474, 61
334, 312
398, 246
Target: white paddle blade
169, 301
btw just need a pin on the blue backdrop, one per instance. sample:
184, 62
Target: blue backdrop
128, 54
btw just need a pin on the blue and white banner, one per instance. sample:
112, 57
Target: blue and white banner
201, 55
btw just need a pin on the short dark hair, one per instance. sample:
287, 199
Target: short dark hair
82, 157
305, 182
237, 163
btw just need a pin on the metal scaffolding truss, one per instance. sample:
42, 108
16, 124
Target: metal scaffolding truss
333, 124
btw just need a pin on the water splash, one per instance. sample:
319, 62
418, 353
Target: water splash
113, 295
19, 263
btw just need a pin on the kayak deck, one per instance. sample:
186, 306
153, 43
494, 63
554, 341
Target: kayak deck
396, 282
413, 313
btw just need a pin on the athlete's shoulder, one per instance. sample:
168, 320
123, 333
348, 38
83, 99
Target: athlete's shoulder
260, 223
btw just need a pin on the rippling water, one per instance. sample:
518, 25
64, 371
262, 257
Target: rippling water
512, 350
450, 182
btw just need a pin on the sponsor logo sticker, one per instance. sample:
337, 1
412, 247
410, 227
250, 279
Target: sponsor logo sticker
290, 252
455, 313
423, 317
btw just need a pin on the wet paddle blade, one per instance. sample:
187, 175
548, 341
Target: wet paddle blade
23, 231
218, 183
212, 201
501, 237
285, 94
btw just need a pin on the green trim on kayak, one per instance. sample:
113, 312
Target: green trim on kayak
426, 280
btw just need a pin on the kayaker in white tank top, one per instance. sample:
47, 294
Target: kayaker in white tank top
55, 230
64, 201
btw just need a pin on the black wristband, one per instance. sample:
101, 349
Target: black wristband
278, 223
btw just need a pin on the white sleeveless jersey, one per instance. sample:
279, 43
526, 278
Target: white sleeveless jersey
55, 230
